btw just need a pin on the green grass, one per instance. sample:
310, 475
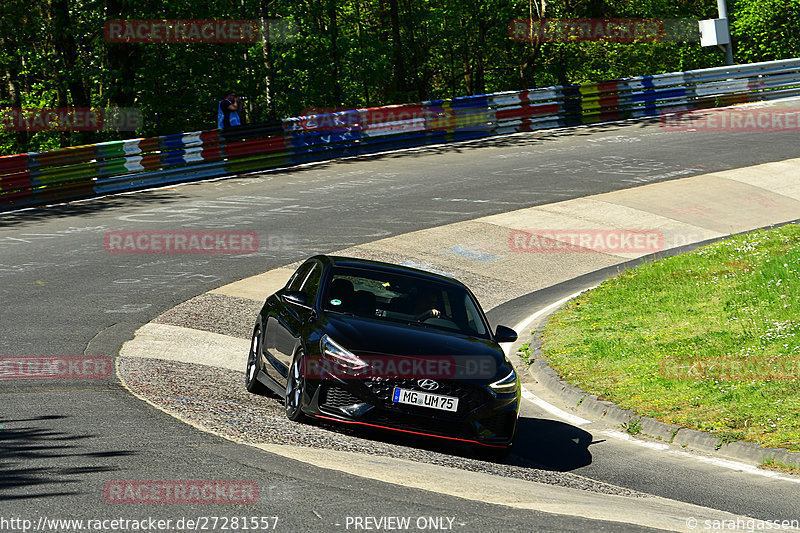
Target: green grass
525, 353
773, 464
634, 339
633, 427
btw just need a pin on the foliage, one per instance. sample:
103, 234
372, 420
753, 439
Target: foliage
766, 30
342, 53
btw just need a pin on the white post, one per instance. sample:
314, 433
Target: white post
723, 14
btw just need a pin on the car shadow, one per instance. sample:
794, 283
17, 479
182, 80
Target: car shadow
551, 445
540, 443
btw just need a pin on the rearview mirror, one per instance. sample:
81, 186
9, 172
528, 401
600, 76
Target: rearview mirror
504, 334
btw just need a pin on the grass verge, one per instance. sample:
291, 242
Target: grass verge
709, 340
773, 464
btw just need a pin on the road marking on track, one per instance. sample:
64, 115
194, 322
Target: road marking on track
644, 444
724, 463
528, 321
578, 421
734, 465
553, 410
528, 395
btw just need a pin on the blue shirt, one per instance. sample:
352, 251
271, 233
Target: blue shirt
225, 117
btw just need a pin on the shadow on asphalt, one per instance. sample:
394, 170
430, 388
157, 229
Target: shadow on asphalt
88, 206
540, 443
25, 441
551, 445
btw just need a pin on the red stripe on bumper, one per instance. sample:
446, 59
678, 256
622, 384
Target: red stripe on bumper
409, 431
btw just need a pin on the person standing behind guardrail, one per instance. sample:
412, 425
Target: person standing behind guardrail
228, 111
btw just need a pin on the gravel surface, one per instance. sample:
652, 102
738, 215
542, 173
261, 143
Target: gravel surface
217, 313
216, 400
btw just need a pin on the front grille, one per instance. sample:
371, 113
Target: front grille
469, 396
336, 397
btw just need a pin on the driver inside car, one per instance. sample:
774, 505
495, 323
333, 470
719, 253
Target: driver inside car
425, 306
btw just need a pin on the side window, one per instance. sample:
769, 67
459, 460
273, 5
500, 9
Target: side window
299, 277
311, 285
473, 317
448, 309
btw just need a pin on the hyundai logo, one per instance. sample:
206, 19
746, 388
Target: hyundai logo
427, 384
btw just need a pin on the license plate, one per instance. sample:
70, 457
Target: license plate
425, 399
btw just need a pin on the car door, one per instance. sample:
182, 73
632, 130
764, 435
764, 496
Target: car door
288, 322
276, 323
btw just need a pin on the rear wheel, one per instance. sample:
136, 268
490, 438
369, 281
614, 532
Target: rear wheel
251, 382
295, 389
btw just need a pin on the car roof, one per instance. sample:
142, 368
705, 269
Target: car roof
379, 266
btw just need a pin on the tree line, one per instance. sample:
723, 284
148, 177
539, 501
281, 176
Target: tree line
327, 54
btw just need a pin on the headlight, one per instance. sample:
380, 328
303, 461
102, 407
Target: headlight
342, 358
507, 384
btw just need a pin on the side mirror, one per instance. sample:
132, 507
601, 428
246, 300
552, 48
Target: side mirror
504, 334
296, 298
300, 299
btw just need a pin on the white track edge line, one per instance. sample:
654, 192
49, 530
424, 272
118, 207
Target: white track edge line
528, 395
575, 420
578, 421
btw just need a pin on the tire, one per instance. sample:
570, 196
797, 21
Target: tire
295, 388
251, 382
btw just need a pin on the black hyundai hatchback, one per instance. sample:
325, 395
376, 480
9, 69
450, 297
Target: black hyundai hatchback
385, 346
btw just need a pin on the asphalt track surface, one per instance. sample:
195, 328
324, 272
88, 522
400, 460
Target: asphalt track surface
63, 294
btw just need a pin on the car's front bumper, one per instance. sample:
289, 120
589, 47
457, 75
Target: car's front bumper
484, 417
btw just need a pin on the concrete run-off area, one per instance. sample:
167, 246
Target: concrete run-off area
207, 338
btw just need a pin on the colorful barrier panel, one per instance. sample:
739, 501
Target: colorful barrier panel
40, 178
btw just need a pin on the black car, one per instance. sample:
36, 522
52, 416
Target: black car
386, 346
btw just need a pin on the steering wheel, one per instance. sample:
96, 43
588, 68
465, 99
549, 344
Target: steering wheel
425, 315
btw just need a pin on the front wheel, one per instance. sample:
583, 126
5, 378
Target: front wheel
295, 389
251, 382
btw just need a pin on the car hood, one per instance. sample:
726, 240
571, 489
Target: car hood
372, 337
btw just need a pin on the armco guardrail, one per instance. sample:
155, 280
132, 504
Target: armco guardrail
38, 178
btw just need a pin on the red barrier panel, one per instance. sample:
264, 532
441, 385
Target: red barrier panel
210, 148
17, 199
256, 146
13, 163
17, 180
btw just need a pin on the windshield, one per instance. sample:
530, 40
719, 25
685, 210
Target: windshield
406, 299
